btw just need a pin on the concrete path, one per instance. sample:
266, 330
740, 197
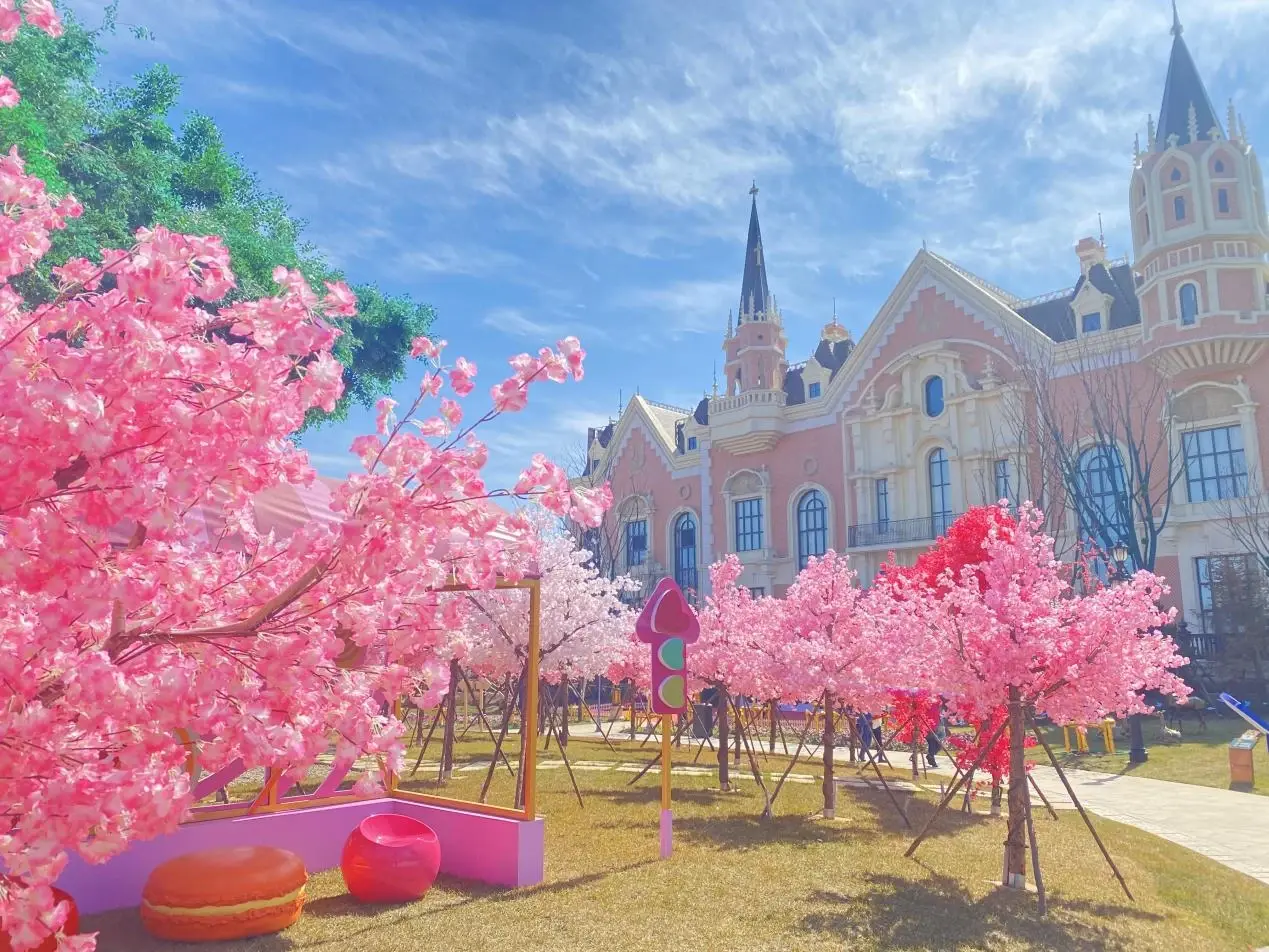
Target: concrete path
1227, 826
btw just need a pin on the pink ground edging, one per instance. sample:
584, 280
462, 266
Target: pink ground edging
474, 847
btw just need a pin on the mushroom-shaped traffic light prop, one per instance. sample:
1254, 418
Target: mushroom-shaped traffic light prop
669, 625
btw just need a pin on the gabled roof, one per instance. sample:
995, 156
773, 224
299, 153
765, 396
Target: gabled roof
1182, 89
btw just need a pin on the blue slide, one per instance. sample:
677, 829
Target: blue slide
1243, 710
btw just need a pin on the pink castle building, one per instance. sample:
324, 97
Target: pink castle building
1127, 405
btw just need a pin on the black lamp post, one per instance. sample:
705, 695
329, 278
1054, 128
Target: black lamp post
1137, 753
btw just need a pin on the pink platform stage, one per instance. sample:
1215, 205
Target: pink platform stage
488, 849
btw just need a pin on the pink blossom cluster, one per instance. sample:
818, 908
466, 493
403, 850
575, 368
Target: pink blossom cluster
584, 624
134, 401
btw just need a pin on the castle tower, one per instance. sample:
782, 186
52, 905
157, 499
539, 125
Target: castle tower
1199, 230
755, 349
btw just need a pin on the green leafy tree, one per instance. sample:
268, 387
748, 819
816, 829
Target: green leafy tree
117, 151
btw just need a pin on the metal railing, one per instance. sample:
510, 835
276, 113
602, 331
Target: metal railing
898, 531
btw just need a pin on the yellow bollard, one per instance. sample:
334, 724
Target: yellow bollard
1066, 737
1108, 734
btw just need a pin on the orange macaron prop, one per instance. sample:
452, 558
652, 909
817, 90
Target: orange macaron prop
221, 894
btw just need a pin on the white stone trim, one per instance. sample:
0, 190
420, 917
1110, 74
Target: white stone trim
762, 553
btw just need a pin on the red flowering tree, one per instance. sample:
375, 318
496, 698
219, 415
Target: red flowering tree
968, 749
129, 404
1010, 630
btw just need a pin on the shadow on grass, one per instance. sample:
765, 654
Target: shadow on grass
458, 893
938, 913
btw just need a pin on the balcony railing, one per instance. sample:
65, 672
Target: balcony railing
898, 531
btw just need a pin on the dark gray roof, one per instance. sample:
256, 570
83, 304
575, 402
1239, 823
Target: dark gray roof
1182, 89
794, 388
832, 354
701, 414
829, 354
1055, 318
755, 280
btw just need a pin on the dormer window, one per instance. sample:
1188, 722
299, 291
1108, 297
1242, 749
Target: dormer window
813, 391
691, 442
1091, 322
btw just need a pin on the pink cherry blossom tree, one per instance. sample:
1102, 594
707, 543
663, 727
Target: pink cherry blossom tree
128, 406
827, 648
1012, 630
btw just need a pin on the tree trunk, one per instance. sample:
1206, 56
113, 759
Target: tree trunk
1015, 872
451, 722
563, 731
997, 794
830, 785
775, 714
724, 751
736, 737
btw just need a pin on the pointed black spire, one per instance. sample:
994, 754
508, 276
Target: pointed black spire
1183, 91
753, 288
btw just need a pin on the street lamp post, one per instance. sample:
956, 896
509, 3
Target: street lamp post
1137, 753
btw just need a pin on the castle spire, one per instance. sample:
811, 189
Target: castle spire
754, 296
1186, 111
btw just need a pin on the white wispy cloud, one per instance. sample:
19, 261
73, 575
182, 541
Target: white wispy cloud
441, 258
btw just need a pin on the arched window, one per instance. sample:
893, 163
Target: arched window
1102, 499
685, 551
1189, 304
1178, 208
1218, 167
1176, 175
940, 492
934, 396
812, 526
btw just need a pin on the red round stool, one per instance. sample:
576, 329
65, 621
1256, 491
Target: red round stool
390, 858
70, 927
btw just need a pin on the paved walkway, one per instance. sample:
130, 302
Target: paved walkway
1227, 826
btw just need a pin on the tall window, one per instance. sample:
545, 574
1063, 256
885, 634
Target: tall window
934, 396
1102, 490
1189, 303
590, 542
812, 526
940, 492
748, 524
1222, 200
1215, 464
881, 490
1004, 483
1223, 581
1178, 208
685, 551
637, 542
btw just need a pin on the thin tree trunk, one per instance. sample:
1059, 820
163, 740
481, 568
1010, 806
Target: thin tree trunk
724, 748
830, 784
997, 795
1015, 872
451, 722
740, 726
562, 734
775, 713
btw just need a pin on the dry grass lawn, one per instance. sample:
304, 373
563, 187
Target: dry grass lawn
737, 882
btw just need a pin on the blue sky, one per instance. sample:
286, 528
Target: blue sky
534, 169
